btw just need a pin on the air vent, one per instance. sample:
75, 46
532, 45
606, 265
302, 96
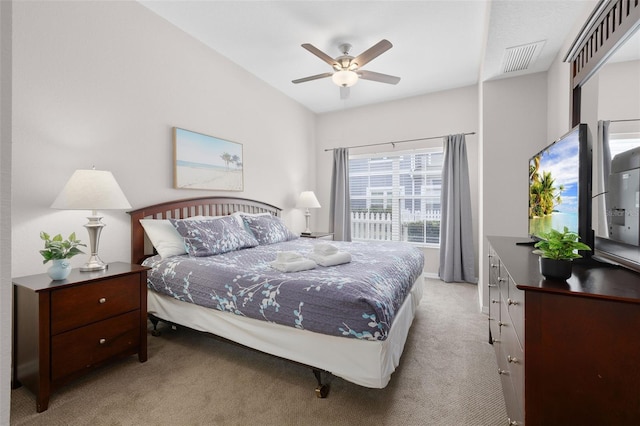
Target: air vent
519, 58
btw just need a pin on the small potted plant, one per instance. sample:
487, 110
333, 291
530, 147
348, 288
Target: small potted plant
557, 250
58, 251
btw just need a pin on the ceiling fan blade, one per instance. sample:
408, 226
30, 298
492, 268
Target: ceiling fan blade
372, 53
313, 77
376, 76
344, 92
320, 54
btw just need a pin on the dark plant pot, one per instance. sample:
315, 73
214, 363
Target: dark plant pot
555, 269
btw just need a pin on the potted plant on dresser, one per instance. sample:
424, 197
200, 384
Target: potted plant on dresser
557, 251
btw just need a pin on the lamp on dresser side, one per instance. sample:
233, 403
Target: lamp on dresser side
307, 200
92, 190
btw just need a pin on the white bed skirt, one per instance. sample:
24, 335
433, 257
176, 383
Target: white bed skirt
363, 362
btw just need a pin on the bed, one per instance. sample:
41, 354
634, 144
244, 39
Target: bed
286, 314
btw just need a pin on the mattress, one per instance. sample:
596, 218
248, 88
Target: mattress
359, 299
368, 363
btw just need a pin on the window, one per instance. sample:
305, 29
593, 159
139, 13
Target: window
396, 196
621, 142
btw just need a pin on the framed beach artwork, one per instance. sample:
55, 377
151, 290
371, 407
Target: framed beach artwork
206, 162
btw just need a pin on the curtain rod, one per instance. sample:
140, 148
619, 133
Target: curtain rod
395, 142
630, 119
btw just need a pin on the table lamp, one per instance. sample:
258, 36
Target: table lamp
92, 190
308, 201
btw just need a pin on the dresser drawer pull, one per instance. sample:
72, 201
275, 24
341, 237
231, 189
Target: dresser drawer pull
494, 340
501, 324
491, 285
512, 422
495, 301
512, 359
511, 302
501, 280
103, 341
102, 300
493, 265
503, 372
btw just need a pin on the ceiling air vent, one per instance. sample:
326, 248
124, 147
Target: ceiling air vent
519, 58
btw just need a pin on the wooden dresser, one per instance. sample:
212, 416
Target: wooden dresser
62, 329
568, 352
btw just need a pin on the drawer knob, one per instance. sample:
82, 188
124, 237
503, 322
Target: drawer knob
512, 422
491, 285
495, 301
501, 324
102, 300
501, 280
512, 359
503, 372
103, 341
511, 302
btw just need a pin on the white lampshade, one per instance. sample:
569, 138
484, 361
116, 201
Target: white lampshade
91, 190
308, 200
345, 78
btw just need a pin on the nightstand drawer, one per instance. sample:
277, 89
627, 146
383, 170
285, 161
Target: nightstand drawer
85, 347
77, 306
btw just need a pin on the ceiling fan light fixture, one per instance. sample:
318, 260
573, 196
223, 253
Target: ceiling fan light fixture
345, 78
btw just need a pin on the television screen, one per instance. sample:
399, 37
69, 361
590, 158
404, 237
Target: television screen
560, 186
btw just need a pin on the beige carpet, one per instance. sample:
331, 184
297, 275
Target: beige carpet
447, 376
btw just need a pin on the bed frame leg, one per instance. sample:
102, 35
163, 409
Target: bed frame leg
322, 390
154, 320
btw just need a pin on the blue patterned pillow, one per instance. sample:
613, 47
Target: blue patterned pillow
208, 237
268, 229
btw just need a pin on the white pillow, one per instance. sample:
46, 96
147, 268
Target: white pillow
164, 237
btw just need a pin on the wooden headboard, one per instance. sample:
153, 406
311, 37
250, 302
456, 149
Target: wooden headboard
180, 209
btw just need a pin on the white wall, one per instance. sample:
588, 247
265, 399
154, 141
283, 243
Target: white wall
103, 83
514, 128
619, 92
5, 211
442, 113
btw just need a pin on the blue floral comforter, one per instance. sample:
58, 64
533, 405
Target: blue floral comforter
358, 299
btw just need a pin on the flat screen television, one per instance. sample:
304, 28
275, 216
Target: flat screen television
560, 187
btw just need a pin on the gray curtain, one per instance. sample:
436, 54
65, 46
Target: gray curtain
605, 167
457, 258
605, 149
340, 208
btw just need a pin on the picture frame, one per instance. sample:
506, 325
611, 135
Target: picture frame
206, 162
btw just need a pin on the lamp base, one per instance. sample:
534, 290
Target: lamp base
307, 216
93, 264
94, 228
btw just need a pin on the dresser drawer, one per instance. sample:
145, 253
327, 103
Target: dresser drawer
513, 360
77, 306
515, 307
494, 312
88, 346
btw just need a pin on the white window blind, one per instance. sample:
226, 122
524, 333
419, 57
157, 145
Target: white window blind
396, 196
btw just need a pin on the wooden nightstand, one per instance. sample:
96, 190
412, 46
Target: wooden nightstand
319, 235
63, 329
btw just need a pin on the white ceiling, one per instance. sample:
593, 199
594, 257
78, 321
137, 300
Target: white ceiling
437, 45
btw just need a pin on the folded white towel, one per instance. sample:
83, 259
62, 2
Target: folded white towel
294, 266
332, 259
325, 249
288, 256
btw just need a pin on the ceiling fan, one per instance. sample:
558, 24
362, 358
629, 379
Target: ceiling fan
347, 68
